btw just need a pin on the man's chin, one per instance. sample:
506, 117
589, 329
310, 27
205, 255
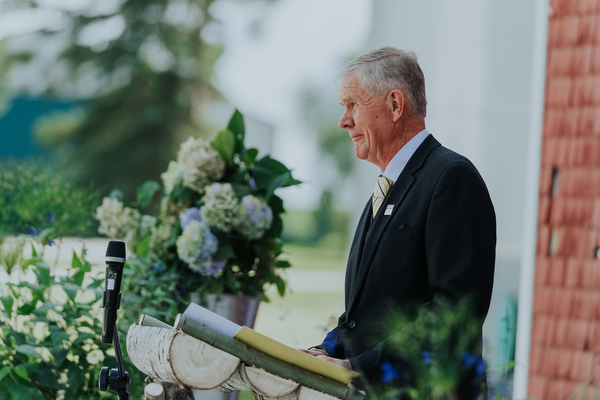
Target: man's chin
360, 154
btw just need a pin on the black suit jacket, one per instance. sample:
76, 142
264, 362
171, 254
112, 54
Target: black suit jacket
437, 239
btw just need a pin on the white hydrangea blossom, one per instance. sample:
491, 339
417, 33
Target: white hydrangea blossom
170, 210
115, 219
256, 219
146, 225
221, 207
159, 238
196, 246
202, 164
173, 176
95, 356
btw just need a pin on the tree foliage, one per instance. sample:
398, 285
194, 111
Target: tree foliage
140, 73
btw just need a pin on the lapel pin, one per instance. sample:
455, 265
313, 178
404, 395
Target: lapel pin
389, 209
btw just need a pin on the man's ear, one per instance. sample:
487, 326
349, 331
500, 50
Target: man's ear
397, 102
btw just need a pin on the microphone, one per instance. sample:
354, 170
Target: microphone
111, 297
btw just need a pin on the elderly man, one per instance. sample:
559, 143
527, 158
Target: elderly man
429, 231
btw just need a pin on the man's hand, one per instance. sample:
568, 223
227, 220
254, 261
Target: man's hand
323, 356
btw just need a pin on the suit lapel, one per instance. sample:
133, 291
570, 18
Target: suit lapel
370, 238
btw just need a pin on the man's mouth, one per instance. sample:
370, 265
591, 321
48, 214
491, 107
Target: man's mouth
355, 138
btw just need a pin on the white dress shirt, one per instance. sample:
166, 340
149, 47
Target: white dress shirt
397, 164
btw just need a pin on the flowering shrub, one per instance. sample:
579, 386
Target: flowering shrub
35, 195
218, 228
440, 349
49, 329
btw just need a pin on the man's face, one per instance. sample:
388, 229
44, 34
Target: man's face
368, 121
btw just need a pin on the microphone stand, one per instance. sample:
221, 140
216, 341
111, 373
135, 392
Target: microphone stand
117, 380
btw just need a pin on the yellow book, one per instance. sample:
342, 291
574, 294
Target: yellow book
270, 346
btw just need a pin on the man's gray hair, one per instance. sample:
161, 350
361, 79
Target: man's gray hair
388, 68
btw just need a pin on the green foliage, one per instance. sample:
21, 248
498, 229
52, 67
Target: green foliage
141, 91
440, 345
37, 198
50, 333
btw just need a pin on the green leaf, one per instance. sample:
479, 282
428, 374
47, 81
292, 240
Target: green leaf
7, 303
76, 378
224, 144
277, 182
75, 261
46, 378
29, 350
20, 392
282, 264
270, 174
47, 235
27, 308
250, 156
4, 371
143, 248
80, 269
34, 253
78, 277
57, 339
21, 371
116, 194
236, 125
60, 355
71, 291
42, 272
225, 249
281, 287
146, 192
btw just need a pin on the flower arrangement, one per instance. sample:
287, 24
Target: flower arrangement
218, 228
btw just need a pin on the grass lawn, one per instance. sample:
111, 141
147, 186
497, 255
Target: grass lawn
314, 301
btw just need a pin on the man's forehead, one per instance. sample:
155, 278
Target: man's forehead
351, 89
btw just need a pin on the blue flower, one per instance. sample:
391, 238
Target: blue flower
52, 216
32, 231
160, 268
471, 360
426, 357
389, 373
189, 215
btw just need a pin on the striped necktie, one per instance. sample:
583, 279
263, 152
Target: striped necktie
381, 189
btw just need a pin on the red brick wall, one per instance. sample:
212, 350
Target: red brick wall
565, 341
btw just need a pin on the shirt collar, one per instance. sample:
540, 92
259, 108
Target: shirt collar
397, 164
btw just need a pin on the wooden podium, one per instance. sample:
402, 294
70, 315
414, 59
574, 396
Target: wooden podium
197, 357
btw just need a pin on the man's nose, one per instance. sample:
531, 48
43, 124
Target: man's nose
346, 121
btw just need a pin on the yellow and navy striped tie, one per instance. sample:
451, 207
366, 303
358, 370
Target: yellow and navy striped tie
381, 188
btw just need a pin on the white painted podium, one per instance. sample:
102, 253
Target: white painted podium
197, 357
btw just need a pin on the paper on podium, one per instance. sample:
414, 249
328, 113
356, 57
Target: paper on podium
270, 346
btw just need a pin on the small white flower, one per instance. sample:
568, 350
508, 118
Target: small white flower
201, 164
221, 207
173, 176
115, 219
95, 356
